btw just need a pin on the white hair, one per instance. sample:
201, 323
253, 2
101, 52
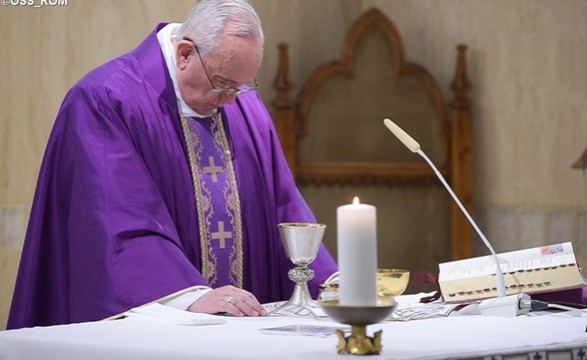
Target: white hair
209, 20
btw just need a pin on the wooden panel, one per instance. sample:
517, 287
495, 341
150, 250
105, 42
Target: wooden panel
337, 146
342, 105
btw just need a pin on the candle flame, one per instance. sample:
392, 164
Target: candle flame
356, 201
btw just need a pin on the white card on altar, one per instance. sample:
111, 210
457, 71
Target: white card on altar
306, 330
157, 313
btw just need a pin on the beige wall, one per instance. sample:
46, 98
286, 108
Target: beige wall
527, 65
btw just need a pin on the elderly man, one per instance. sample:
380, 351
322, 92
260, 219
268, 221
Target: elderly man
164, 180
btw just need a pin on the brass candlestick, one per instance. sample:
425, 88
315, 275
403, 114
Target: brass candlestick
358, 317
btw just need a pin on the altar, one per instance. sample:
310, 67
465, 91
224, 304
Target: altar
537, 335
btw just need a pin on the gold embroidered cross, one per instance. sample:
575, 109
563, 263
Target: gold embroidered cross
221, 235
212, 169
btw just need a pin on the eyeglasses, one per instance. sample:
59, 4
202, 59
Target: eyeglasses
221, 88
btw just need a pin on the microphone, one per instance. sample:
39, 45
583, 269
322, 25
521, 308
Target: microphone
494, 308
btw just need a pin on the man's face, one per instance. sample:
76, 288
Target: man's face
235, 64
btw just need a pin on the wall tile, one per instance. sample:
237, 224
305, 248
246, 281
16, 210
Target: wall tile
531, 228
481, 218
503, 230
581, 243
13, 220
561, 226
9, 260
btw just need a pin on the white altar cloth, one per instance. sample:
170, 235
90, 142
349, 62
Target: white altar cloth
241, 338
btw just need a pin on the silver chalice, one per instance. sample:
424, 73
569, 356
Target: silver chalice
301, 242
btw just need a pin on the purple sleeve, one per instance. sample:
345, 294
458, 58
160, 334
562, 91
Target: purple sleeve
97, 210
292, 207
119, 221
287, 201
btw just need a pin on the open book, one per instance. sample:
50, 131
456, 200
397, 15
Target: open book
537, 270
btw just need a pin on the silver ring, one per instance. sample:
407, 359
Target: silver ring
228, 298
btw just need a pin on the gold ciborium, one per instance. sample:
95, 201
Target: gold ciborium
358, 317
392, 282
301, 242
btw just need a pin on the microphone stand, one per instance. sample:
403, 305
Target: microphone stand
499, 278
502, 305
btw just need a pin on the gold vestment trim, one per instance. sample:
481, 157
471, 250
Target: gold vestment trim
204, 202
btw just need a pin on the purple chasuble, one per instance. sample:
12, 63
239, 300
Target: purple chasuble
114, 222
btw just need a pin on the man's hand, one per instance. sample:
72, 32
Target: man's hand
228, 299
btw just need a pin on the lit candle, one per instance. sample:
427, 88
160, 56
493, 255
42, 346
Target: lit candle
357, 254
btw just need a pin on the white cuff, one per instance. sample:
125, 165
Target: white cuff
184, 300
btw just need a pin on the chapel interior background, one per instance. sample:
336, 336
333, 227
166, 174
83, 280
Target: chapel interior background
526, 62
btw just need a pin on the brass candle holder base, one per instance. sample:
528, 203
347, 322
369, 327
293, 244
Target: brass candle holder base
358, 317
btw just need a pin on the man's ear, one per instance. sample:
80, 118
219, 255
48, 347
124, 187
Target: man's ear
184, 51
